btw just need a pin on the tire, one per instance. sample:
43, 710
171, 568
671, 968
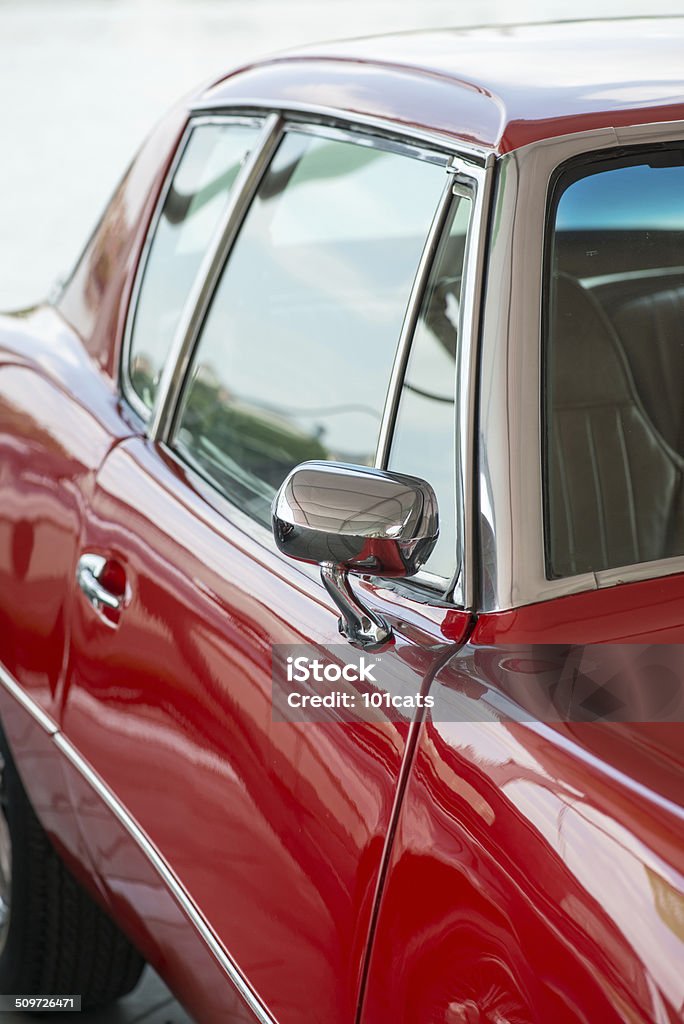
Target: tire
54, 939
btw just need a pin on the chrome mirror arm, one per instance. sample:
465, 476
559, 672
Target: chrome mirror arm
358, 624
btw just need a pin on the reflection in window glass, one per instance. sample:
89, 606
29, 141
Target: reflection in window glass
424, 441
614, 365
193, 207
296, 352
607, 200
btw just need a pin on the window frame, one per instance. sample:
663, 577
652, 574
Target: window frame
466, 168
512, 504
564, 176
128, 392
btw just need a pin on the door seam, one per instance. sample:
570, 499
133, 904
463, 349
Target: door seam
405, 771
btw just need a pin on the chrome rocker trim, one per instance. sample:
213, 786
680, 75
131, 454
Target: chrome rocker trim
146, 846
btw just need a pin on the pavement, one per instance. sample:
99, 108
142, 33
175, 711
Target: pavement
149, 1003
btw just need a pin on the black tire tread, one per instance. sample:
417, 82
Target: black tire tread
60, 940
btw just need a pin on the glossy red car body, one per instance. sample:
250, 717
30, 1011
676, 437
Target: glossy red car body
426, 872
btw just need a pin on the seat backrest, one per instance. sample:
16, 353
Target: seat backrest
651, 329
614, 487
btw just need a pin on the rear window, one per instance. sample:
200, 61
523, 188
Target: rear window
614, 365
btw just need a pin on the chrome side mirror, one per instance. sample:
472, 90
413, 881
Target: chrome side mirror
360, 520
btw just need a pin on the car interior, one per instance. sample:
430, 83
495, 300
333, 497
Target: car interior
615, 415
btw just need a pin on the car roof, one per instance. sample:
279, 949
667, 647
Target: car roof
498, 88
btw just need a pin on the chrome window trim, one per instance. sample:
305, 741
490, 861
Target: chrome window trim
346, 133
144, 844
408, 327
463, 589
473, 181
511, 513
319, 114
475, 166
127, 390
640, 571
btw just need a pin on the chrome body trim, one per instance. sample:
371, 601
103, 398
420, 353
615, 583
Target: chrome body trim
200, 295
129, 392
169, 877
511, 514
28, 703
144, 843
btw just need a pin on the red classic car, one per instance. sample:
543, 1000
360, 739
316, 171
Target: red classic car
378, 348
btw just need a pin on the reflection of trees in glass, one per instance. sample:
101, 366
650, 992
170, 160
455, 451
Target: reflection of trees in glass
264, 445
144, 379
318, 426
325, 160
181, 205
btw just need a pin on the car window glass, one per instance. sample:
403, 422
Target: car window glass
614, 366
296, 352
192, 208
424, 441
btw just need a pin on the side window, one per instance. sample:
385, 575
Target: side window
614, 365
424, 440
196, 198
296, 352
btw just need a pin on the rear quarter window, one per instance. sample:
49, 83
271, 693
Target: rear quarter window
614, 364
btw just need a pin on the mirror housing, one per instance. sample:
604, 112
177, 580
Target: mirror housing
355, 519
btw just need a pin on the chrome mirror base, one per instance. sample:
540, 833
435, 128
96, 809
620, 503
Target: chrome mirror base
358, 624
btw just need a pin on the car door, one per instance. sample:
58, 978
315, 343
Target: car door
59, 415
543, 820
341, 251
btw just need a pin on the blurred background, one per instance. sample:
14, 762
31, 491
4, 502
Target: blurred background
82, 81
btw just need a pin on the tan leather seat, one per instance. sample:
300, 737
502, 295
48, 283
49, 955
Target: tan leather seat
615, 487
651, 329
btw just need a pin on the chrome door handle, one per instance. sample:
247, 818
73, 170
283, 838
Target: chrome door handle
88, 578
